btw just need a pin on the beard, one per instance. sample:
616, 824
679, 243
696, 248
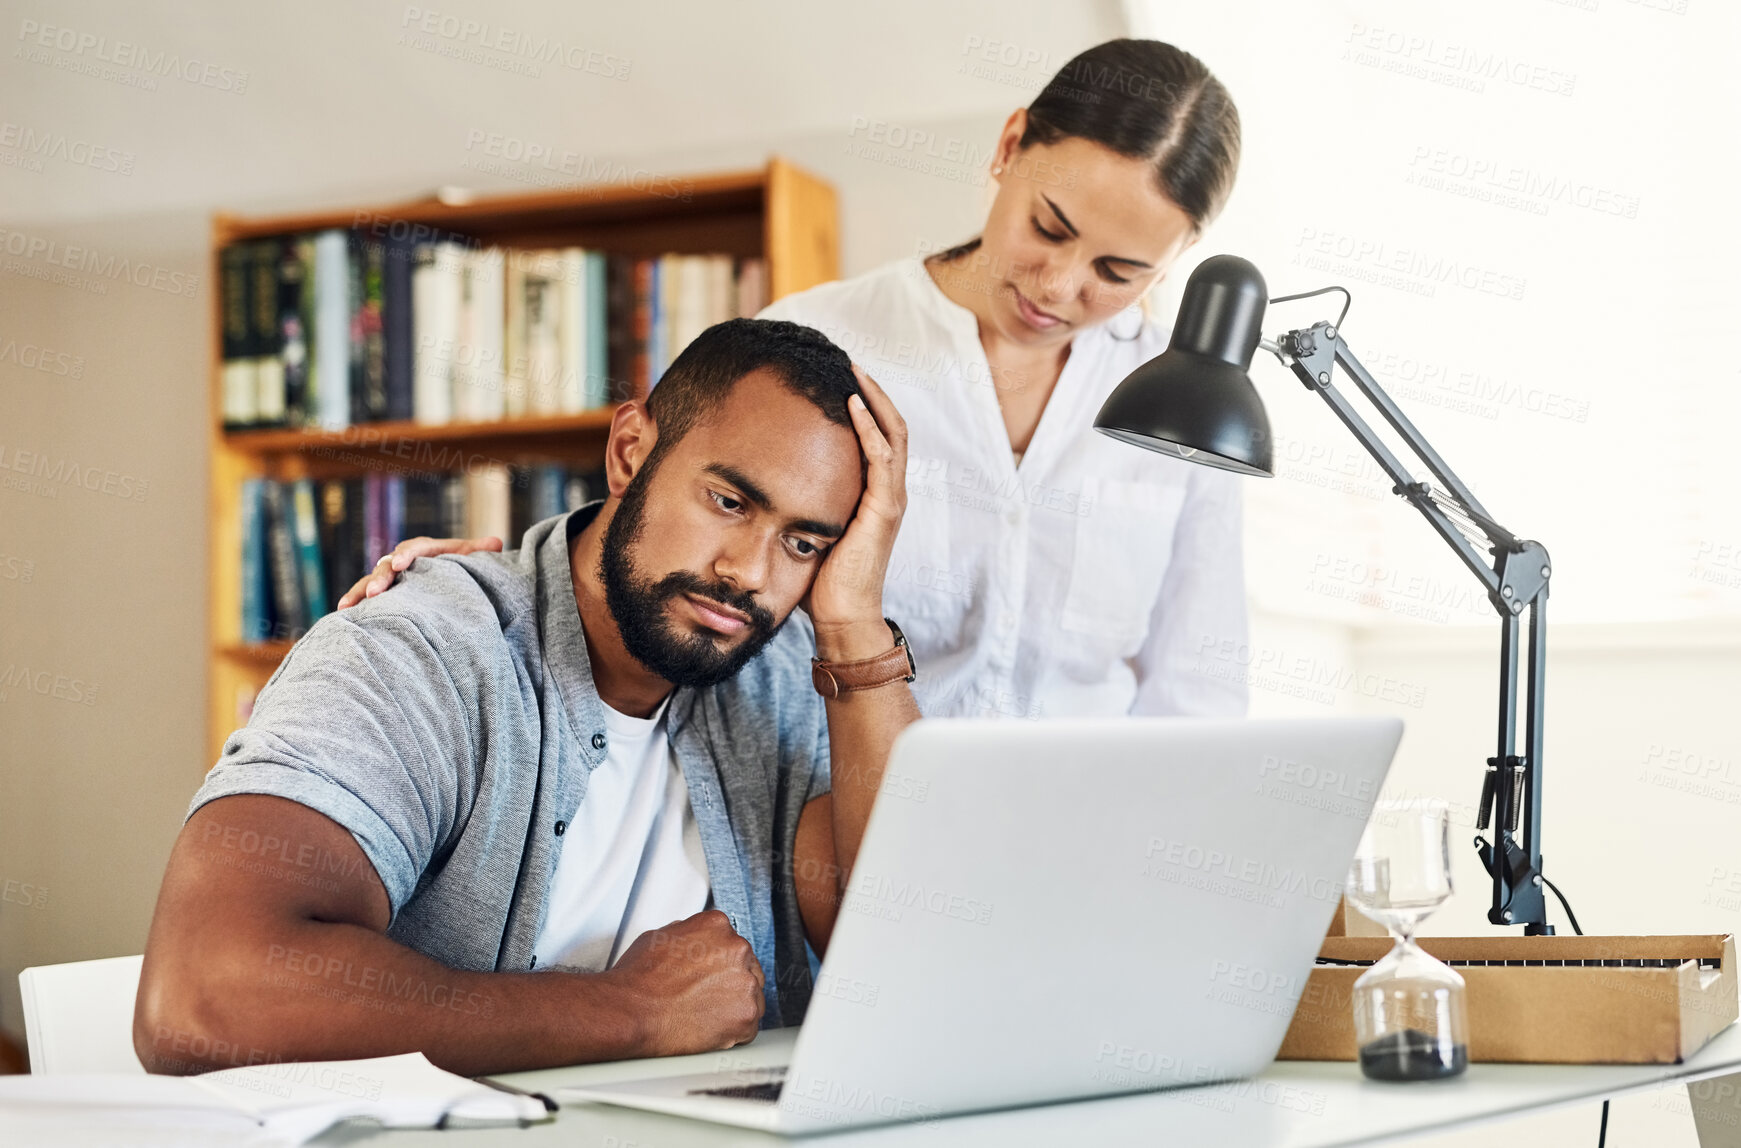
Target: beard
681, 655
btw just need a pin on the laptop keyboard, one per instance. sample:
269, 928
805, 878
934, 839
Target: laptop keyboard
768, 1091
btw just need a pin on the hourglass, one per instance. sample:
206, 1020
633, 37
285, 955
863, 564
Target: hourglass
1409, 1019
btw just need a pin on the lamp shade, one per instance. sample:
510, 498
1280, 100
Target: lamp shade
1195, 400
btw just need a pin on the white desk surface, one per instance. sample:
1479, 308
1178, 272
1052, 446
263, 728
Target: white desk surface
1340, 1107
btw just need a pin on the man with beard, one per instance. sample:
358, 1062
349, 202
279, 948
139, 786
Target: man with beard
573, 802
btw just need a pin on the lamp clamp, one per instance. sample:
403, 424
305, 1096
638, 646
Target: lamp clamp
1314, 349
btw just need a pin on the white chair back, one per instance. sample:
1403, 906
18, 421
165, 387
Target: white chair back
78, 1017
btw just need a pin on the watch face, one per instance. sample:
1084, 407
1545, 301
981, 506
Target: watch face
906, 647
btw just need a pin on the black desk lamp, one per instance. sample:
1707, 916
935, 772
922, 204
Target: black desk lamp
1195, 401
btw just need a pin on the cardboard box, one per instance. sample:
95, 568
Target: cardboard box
1546, 1000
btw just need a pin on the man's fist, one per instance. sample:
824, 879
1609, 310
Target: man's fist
698, 984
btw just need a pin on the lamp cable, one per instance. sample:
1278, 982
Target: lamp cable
1572, 919
1347, 297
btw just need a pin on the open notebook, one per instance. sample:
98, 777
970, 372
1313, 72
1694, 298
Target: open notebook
267, 1104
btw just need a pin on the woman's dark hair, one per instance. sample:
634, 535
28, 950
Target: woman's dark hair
1146, 100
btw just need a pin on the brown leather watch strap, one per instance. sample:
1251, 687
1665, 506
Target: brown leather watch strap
832, 679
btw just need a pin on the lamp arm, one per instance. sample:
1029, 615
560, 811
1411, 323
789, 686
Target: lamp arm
1440, 469
1311, 359
1517, 578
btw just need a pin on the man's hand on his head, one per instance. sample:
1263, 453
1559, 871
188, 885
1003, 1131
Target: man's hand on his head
846, 601
846, 607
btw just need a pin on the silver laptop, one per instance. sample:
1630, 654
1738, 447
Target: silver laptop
1046, 911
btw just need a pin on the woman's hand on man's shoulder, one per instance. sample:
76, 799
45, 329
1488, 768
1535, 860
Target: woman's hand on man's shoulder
387, 570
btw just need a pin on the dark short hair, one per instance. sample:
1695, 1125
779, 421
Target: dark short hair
700, 379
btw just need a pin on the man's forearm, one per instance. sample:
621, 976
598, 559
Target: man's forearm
325, 991
862, 727
245, 963
845, 608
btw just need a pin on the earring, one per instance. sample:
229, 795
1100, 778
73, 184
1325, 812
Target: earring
997, 169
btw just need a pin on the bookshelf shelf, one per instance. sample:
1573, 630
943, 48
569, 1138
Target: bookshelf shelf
369, 436
730, 193
776, 213
268, 654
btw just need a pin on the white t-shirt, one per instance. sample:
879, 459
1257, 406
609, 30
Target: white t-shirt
1082, 577
631, 856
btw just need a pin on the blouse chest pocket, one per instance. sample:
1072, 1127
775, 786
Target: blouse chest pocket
1124, 542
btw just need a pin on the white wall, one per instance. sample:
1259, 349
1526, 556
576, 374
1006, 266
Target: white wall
330, 101
1550, 317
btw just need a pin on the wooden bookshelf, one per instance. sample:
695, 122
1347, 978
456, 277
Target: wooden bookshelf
779, 213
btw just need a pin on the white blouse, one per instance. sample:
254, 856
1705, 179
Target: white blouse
1089, 577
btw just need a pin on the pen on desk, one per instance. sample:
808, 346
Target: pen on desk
549, 1104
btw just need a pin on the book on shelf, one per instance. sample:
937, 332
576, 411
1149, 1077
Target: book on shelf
310, 570
256, 613
241, 399
392, 512
536, 292
477, 374
595, 355
620, 336
520, 282
374, 511
642, 334
661, 278
295, 325
268, 337
306, 541
435, 294
289, 616
331, 406
423, 517
397, 318
344, 551
455, 511
366, 259
693, 302
340, 327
